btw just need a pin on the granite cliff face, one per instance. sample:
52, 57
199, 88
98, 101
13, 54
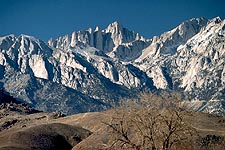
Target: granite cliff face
68, 79
115, 41
91, 69
194, 65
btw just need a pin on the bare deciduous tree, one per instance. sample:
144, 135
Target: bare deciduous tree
150, 123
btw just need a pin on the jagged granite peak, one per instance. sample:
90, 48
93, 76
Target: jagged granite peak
94, 68
26, 54
162, 47
201, 60
167, 43
114, 26
96, 29
216, 19
209, 46
116, 31
7, 41
116, 41
28, 62
195, 66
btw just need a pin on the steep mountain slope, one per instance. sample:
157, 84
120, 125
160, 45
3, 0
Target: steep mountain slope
91, 69
201, 61
164, 46
67, 80
194, 66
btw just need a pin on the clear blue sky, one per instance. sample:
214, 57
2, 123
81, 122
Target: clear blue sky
52, 18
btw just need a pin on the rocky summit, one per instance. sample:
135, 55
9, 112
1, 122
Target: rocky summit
90, 70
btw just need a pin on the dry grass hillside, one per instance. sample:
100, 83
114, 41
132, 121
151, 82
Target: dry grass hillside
83, 131
209, 128
51, 131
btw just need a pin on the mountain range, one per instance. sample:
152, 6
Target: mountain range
91, 70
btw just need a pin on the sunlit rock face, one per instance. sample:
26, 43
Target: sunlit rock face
115, 41
192, 63
91, 69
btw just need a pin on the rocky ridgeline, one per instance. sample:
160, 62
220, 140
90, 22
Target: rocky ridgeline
91, 69
9, 104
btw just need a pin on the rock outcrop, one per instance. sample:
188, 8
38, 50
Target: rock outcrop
91, 69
